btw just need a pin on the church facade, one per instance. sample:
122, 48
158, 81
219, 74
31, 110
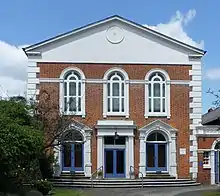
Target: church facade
135, 96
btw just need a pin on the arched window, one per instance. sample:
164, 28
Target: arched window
157, 95
73, 92
115, 93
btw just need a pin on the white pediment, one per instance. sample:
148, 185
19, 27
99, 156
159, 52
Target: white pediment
157, 125
114, 40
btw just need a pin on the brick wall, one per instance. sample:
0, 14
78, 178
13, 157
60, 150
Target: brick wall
179, 101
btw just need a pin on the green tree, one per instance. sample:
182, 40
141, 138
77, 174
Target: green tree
21, 144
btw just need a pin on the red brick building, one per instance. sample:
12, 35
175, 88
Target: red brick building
135, 93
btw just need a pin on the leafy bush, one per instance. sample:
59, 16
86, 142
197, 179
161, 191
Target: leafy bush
43, 186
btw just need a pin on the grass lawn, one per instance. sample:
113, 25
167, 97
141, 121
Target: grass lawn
216, 193
67, 192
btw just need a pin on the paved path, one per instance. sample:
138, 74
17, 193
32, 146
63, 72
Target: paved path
165, 191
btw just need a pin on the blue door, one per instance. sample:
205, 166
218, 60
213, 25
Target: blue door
72, 157
156, 157
217, 177
114, 163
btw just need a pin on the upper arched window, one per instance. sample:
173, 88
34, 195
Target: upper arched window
157, 94
73, 94
116, 93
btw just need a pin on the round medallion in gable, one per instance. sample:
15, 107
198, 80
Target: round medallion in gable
115, 35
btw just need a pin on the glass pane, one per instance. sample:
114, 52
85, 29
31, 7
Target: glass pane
79, 88
152, 137
65, 104
150, 155
122, 104
67, 155
156, 79
149, 90
115, 89
79, 104
109, 162
78, 155
120, 156
157, 105
109, 106
150, 110
115, 104
109, 140
72, 78
120, 140
77, 75
72, 89
65, 88
108, 89
163, 90
161, 155
115, 78
122, 89
156, 90
72, 104
163, 105
160, 137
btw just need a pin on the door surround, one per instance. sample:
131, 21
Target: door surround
170, 133
123, 128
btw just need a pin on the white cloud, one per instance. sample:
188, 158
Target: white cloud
212, 74
13, 66
175, 28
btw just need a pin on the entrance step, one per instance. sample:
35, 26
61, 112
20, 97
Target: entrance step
69, 175
122, 183
159, 176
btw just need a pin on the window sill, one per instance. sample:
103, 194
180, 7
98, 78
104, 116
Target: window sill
207, 166
156, 115
73, 114
115, 114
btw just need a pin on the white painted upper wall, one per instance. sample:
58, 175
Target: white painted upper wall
92, 46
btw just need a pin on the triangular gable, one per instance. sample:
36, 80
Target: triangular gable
123, 20
157, 125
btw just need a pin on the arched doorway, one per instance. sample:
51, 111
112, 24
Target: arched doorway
156, 152
217, 163
72, 151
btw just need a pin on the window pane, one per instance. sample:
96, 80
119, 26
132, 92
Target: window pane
157, 90
109, 140
163, 90
65, 104
115, 78
79, 88
109, 106
65, 88
72, 89
115, 104
79, 104
72, 78
151, 137
72, 104
108, 89
150, 110
122, 89
149, 90
163, 105
156, 105
160, 137
115, 89
122, 104
120, 141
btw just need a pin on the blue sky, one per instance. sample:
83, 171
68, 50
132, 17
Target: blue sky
24, 22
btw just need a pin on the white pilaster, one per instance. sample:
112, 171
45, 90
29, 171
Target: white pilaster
212, 162
173, 164
131, 150
87, 157
142, 164
100, 148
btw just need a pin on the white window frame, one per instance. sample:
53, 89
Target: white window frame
126, 93
167, 94
207, 158
62, 80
